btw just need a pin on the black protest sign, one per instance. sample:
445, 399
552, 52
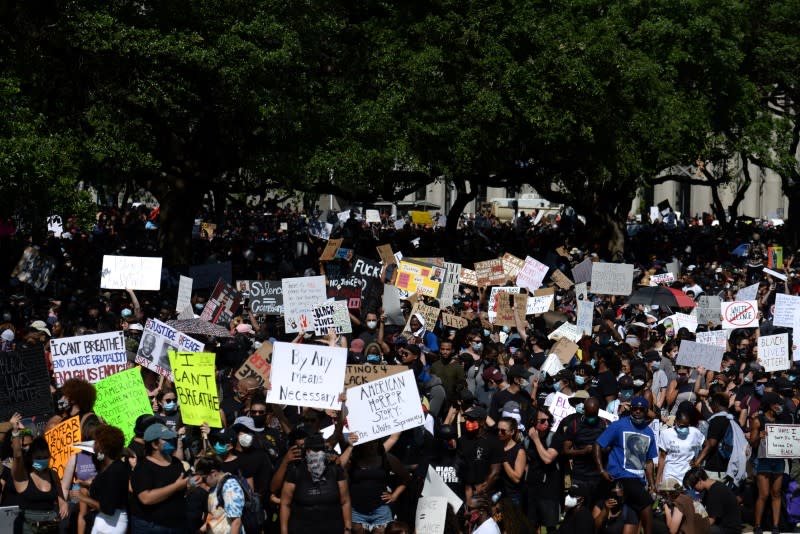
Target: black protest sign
266, 297
24, 384
205, 276
347, 289
366, 268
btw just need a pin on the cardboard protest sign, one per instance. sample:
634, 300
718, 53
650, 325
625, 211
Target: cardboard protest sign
34, 268
8, 518
585, 318
222, 304
567, 330
773, 352
490, 273
373, 216
493, 302
739, 314
386, 254
583, 271
539, 304
505, 311
184, 294
560, 408
658, 279
532, 274
332, 314
24, 383
121, 399
421, 217
258, 364
265, 297
131, 272
564, 349
195, 384
692, 354
454, 321
512, 265
717, 338
431, 515
429, 314
356, 375
348, 289
785, 308
207, 230
436, 480
747, 293
468, 277
206, 275
452, 271
709, 309
60, 440
560, 279
307, 375
157, 339
366, 268
385, 406
91, 357
612, 278
300, 295
329, 252
782, 441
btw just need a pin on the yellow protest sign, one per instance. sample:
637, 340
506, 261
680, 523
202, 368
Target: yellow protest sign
60, 440
196, 386
419, 278
421, 217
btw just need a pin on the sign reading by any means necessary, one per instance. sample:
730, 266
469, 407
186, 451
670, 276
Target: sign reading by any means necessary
740, 314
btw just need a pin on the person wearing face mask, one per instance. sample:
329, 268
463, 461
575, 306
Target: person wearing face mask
576, 435
515, 392
232, 406
621, 405
685, 387
222, 443
373, 354
158, 485
769, 471
168, 408
545, 481
604, 385
253, 461
564, 383
660, 382
373, 332
631, 448
678, 446
480, 516
270, 437
681, 513
41, 502
482, 451
614, 515
448, 369
577, 511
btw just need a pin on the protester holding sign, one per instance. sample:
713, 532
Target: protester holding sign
769, 471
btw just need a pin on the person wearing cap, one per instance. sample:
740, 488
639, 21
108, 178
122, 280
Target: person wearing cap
631, 448
483, 453
253, 461
158, 485
681, 513
517, 382
769, 471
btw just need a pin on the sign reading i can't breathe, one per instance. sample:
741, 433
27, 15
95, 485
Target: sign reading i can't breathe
740, 314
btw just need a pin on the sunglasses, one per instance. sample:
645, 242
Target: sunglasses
258, 412
542, 421
503, 431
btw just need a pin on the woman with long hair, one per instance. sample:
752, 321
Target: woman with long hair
515, 461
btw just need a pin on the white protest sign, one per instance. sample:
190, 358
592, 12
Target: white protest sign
91, 357
683, 320
157, 339
383, 407
131, 272
783, 441
184, 294
717, 338
552, 365
581, 291
567, 330
55, 225
392, 306
332, 314
373, 216
307, 375
531, 274
608, 416
785, 308
560, 408
795, 336
435, 485
431, 515
654, 214
493, 299
692, 354
739, 314
709, 309
300, 295
773, 352
775, 274
399, 224
666, 278
747, 293
612, 278
538, 304
585, 317
583, 271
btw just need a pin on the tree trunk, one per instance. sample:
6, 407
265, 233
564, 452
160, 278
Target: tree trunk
791, 227
454, 214
178, 207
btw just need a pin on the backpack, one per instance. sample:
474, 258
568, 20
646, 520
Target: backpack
725, 447
253, 517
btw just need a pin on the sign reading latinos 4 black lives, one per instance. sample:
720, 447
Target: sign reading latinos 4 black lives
24, 384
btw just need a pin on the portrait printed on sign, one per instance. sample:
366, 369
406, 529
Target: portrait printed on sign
636, 447
154, 349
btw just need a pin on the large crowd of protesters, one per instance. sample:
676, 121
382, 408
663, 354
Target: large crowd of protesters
653, 446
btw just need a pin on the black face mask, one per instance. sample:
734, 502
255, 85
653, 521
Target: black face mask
259, 420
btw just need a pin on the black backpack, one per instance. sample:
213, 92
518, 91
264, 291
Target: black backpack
253, 516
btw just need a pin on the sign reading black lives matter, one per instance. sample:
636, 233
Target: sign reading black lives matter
24, 384
307, 375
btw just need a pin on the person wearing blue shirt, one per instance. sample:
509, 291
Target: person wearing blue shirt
631, 448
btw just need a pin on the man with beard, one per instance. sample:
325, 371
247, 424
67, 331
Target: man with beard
448, 369
483, 453
631, 448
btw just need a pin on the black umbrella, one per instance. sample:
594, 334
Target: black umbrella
662, 296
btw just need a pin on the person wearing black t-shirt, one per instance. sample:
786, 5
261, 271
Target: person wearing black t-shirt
575, 436
545, 481
719, 501
715, 465
447, 461
159, 485
483, 453
604, 385
517, 381
252, 460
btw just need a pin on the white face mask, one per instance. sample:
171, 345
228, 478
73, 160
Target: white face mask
372, 324
245, 440
570, 502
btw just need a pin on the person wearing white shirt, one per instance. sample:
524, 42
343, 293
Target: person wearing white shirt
678, 446
480, 516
